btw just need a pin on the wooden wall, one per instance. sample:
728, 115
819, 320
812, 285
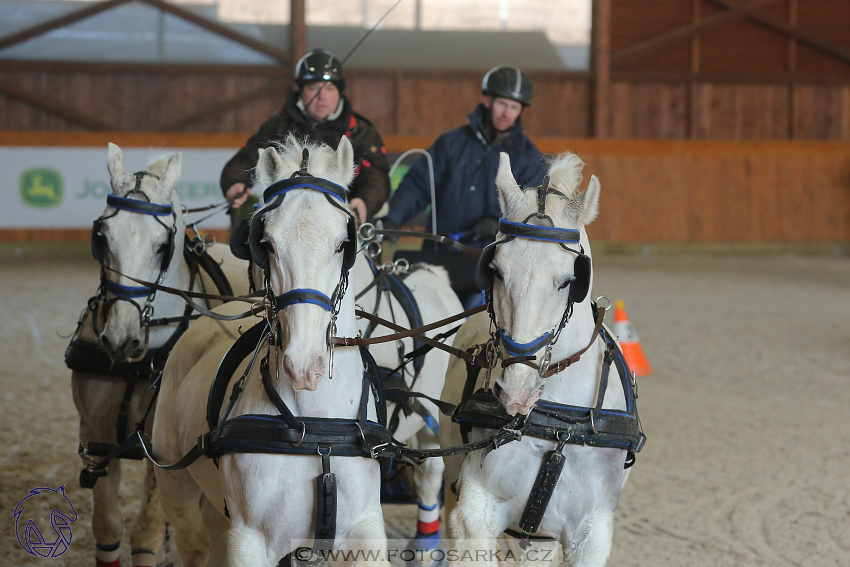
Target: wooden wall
653, 191
239, 99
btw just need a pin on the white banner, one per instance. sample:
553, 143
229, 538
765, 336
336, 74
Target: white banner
59, 187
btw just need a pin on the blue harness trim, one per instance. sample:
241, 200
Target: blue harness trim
296, 296
523, 349
338, 194
534, 232
136, 206
127, 291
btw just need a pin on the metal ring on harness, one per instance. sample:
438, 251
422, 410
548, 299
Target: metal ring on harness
258, 309
401, 266
367, 231
319, 450
362, 435
373, 249
303, 432
606, 299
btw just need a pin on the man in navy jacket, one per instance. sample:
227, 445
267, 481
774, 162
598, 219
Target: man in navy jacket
466, 160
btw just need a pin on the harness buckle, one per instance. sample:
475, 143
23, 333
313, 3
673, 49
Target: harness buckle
544, 363
373, 451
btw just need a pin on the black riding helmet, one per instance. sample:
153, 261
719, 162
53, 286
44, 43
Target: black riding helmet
320, 65
508, 81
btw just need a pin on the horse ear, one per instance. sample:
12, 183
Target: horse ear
345, 161
587, 202
510, 195
115, 166
172, 170
269, 166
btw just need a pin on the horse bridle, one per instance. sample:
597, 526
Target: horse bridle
273, 197
100, 302
579, 285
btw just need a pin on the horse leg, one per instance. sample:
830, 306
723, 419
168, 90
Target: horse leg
217, 527
107, 522
369, 536
96, 402
590, 545
427, 487
180, 498
473, 525
247, 547
148, 533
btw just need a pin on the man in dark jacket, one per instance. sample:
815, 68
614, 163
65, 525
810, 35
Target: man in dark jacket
466, 160
321, 111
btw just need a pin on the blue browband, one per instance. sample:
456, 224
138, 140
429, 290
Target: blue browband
534, 232
322, 185
127, 291
135, 206
514, 348
296, 296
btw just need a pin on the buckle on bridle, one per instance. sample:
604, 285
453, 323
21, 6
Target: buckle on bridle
545, 361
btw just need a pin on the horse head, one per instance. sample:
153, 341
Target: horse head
138, 236
538, 277
304, 239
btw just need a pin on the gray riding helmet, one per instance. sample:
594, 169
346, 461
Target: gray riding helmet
320, 65
508, 81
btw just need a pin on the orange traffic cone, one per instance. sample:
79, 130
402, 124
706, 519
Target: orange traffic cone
629, 342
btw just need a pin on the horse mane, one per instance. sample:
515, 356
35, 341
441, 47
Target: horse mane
565, 173
321, 163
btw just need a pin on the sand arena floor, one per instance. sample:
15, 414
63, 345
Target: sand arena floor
746, 413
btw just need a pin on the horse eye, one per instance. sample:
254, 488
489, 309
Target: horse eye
567, 282
163, 248
496, 273
341, 246
267, 245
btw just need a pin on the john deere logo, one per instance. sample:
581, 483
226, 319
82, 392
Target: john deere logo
41, 187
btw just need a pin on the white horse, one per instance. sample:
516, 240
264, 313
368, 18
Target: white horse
532, 282
146, 247
271, 498
431, 290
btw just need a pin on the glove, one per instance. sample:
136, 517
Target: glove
485, 229
384, 223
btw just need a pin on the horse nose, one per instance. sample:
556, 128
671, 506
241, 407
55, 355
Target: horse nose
304, 373
516, 400
131, 347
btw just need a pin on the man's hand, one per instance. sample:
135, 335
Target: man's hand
358, 207
237, 195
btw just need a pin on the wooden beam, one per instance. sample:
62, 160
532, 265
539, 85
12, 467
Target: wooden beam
216, 109
129, 68
642, 76
219, 29
600, 54
810, 39
657, 41
61, 21
297, 31
63, 111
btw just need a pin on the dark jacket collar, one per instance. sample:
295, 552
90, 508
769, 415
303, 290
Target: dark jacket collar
479, 120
